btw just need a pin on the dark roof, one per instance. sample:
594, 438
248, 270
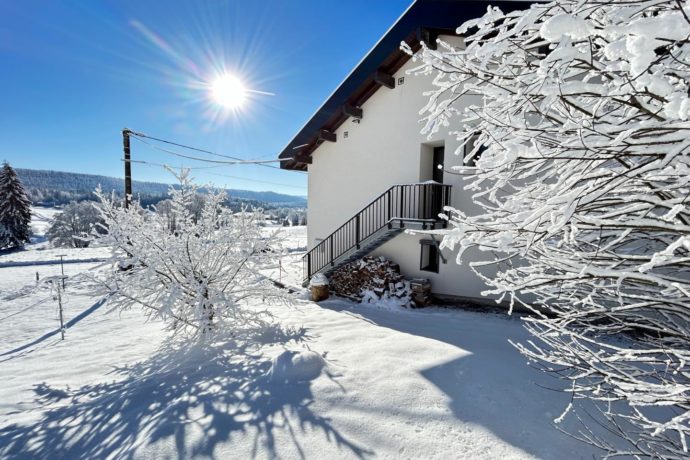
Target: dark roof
424, 20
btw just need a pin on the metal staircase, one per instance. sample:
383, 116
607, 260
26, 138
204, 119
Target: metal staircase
413, 206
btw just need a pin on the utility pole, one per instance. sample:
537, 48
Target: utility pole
128, 166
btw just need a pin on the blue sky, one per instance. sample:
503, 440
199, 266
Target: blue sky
74, 73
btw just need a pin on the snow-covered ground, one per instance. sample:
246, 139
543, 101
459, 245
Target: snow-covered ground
432, 383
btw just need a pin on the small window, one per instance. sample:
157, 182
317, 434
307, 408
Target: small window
430, 257
469, 146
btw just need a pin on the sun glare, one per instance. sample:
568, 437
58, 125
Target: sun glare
229, 92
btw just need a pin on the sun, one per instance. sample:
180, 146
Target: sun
229, 92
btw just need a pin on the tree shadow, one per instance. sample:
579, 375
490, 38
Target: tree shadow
491, 385
184, 401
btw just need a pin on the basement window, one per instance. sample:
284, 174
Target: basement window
429, 257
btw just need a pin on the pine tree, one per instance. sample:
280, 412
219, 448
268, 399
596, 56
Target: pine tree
15, 210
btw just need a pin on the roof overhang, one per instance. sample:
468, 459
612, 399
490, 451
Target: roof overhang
423, 21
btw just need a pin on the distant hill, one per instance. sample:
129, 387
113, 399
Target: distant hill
50, 184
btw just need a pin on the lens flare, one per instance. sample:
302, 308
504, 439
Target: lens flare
229, 92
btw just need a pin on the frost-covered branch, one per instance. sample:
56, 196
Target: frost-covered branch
193, 265
582, 171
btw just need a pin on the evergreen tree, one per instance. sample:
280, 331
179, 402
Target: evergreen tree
15, 210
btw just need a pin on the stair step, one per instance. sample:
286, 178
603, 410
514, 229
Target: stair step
419, 194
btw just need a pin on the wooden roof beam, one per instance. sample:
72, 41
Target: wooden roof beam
325, 135
352, 111
302, 158
384, 79
427, 36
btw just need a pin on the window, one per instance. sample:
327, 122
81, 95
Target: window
430, 256
469, 147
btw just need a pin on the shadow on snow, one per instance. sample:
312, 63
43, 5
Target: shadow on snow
183, 401
55, 332
492, 386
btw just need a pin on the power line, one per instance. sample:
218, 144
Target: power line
236, 162
139, 137
149, 163
257, 181
169, 166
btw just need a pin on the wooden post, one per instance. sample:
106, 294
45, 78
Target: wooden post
128, 166
62, 324
62, 270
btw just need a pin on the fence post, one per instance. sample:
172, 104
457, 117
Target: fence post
331, 250
308, 265
402, 205
62, 269
357, 234
62, 324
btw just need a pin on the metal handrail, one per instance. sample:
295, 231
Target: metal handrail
411, 202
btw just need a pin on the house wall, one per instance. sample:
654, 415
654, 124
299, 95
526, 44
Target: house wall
385, 149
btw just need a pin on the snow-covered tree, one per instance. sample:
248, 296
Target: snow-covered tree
199, 276
165, 209
580, 159
15, 210
74, 225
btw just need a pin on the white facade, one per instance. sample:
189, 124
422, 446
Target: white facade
384, 149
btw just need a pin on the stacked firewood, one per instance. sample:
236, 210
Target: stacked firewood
370, 277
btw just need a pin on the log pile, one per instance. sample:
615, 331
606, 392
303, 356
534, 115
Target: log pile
376, 277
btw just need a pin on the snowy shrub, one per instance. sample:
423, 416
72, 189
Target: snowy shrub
580, 161
75, 224
15, 210
197, 277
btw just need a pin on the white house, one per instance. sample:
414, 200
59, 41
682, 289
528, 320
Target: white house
372, 174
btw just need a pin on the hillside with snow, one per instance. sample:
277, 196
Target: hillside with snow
53, 184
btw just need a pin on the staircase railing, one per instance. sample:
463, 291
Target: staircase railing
421, 203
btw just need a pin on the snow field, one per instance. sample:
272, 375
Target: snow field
333, 380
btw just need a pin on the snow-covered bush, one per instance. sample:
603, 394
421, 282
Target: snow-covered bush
197, 277
15, 210
74, 225
580, 161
